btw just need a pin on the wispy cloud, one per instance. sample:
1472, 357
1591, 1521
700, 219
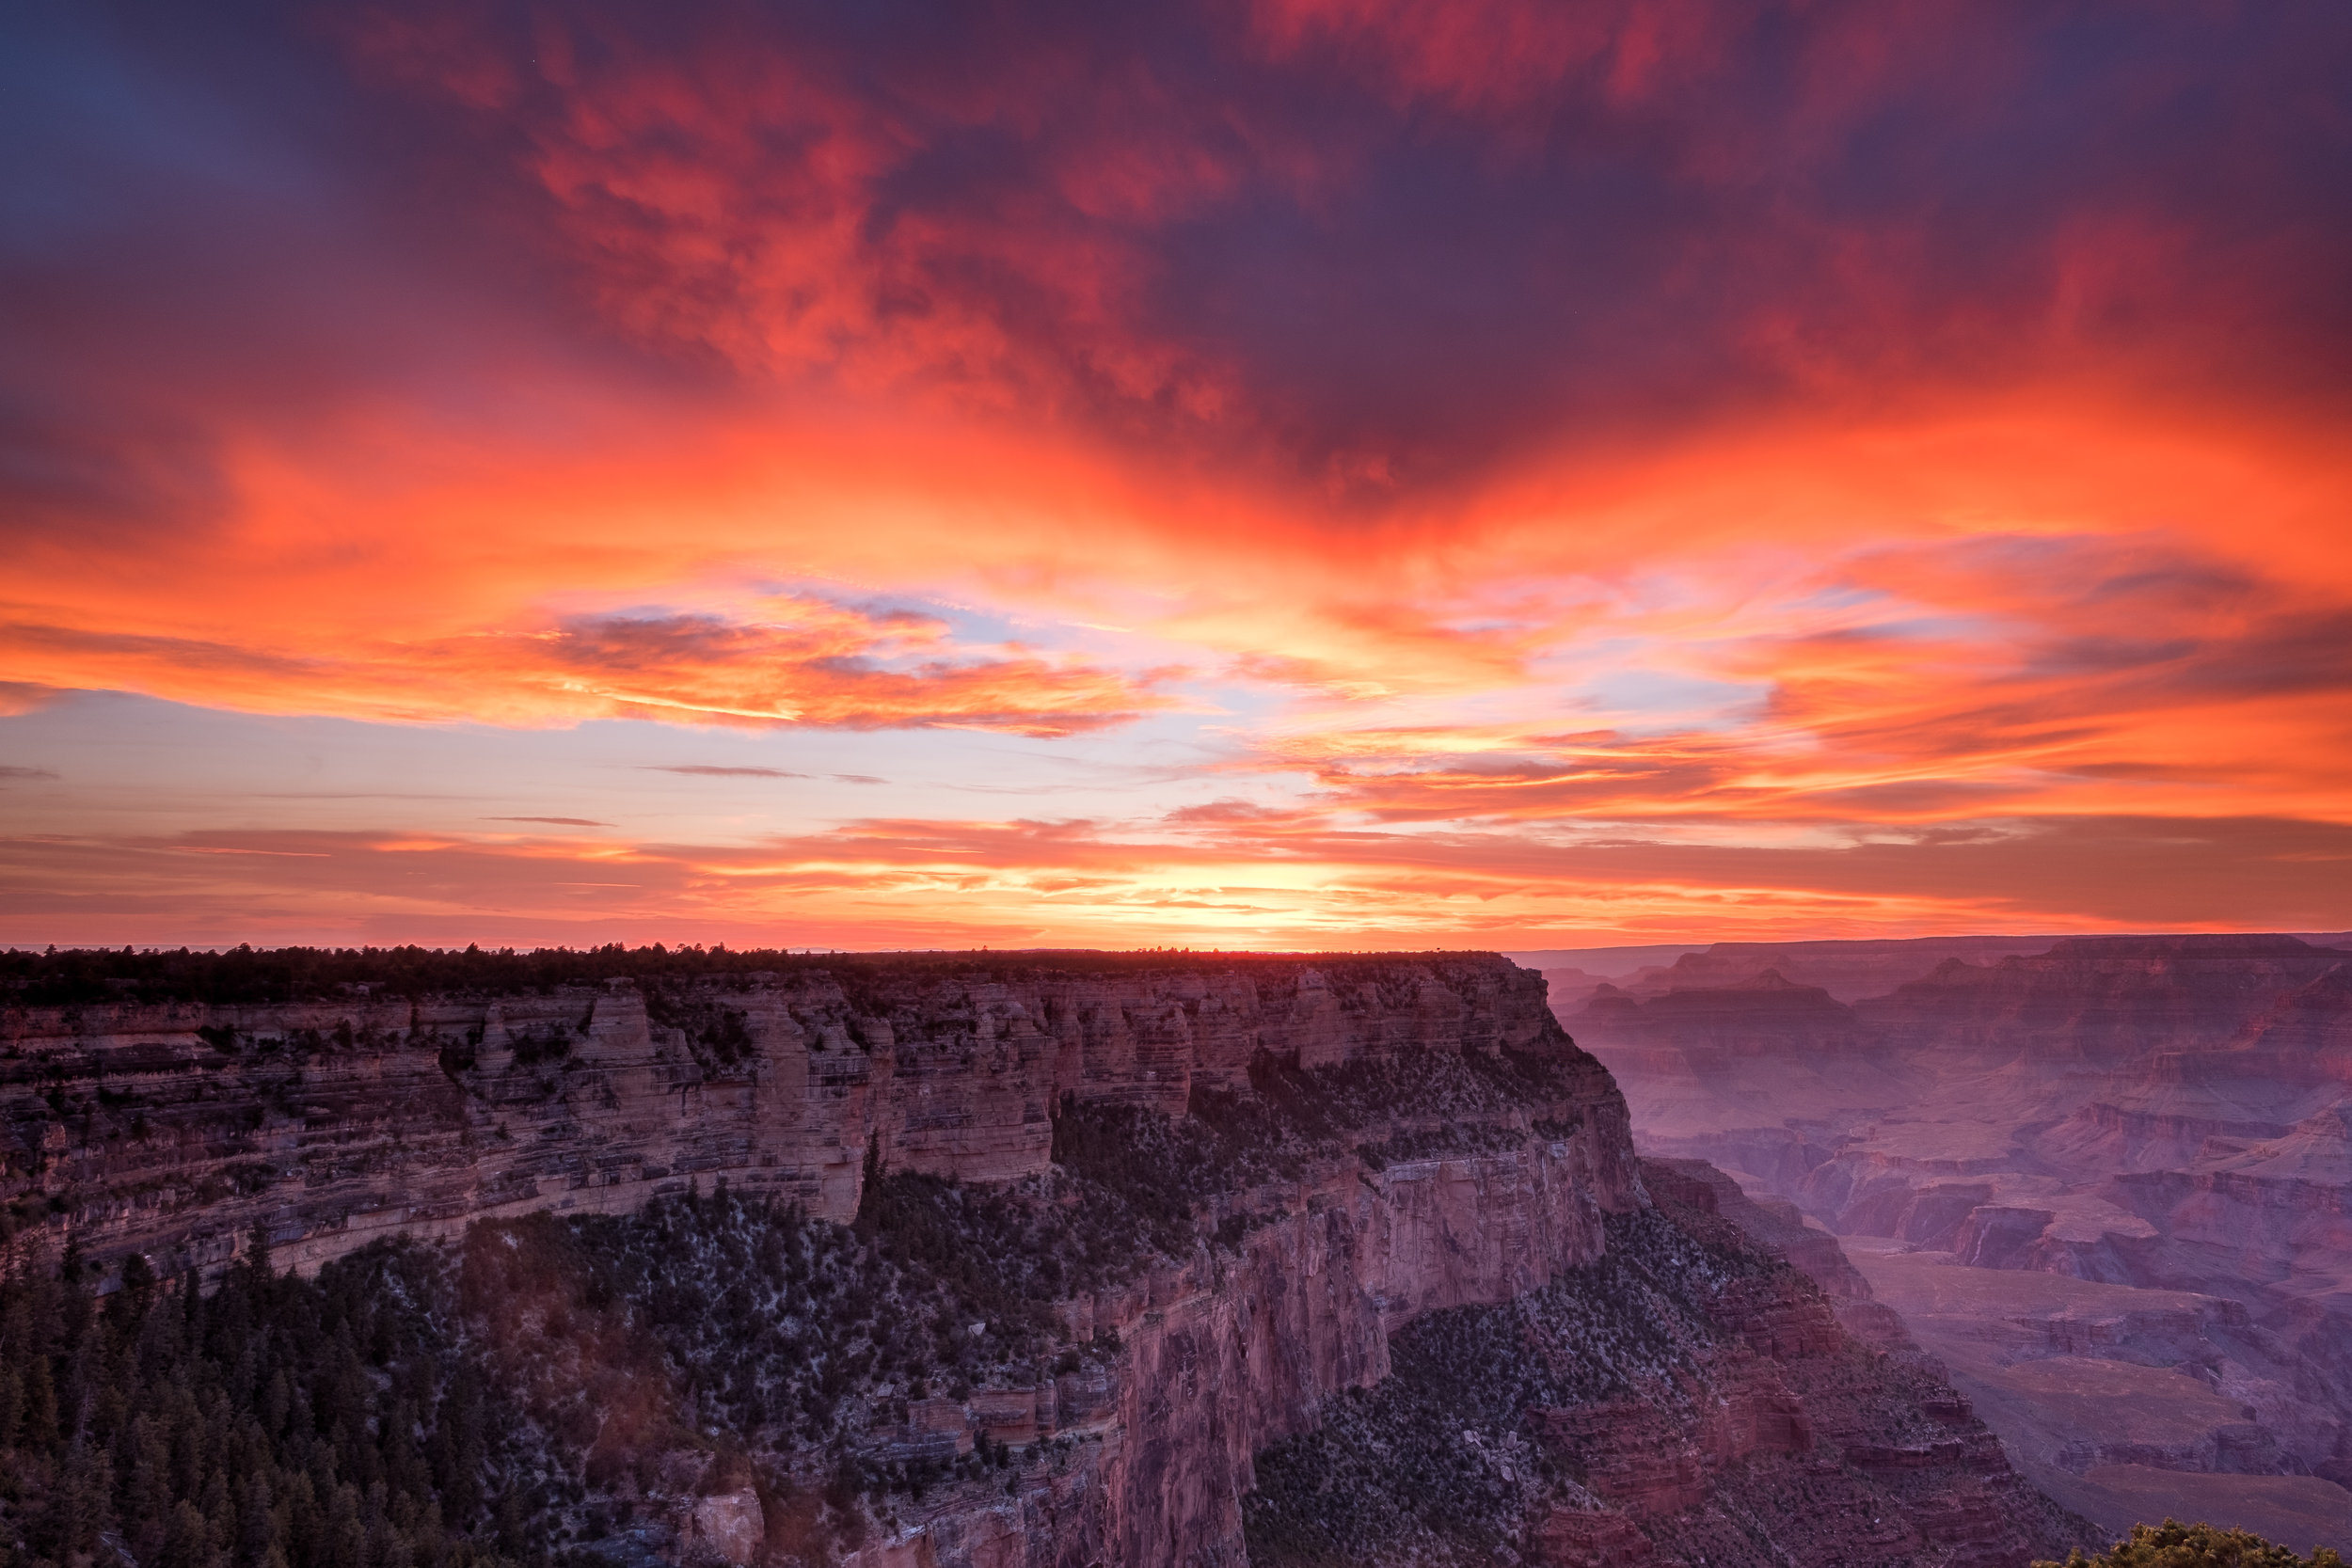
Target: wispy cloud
806, 661
709, 770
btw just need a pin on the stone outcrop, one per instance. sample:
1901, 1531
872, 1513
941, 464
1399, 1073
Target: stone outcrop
173, 1130
1781, 1226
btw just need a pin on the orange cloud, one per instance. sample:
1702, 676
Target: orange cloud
2083, 676
2014, 612
816, 663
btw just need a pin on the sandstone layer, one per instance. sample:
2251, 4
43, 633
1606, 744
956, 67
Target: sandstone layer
172, 1129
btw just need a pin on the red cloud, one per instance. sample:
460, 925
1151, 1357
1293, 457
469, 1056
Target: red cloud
816, 663
1508, 57
764, 197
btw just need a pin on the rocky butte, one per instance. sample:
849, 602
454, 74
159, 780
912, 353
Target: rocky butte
957, 1261
2109, 1181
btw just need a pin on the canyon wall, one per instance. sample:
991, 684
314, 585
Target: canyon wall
1848, 971
2166, 1115
1792, 1422
173, 1129
1232, 1353
177, 1130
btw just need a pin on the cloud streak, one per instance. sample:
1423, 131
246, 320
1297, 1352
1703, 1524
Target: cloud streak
710, 771
814, 663
1264, 884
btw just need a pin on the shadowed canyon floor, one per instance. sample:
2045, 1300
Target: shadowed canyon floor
2108, 1181
1021, 1262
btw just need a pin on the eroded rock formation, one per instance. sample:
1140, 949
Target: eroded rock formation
2161, 1114
174, 1127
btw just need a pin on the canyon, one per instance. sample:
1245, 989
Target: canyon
1149, 1223
2107, 1181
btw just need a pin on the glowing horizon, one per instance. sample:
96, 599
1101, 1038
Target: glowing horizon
1315, 473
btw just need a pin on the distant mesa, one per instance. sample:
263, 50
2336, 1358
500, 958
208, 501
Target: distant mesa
2160, 1123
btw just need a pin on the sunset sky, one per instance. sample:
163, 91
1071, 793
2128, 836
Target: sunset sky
1263, 473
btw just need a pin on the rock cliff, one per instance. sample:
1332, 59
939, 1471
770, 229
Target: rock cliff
1848, 971
1686, 1399
1021, 1262
173, 1127
1231, 1353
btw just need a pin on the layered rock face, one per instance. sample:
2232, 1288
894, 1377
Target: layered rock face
2165, 1114
1670, 1393
2101, 998
1686, 1398
1708, 1029
173, 1129
1848, 971
1390, 1189
1229, 1354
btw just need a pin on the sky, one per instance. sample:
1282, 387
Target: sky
1249, 474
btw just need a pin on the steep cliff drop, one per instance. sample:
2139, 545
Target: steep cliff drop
974, 1261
